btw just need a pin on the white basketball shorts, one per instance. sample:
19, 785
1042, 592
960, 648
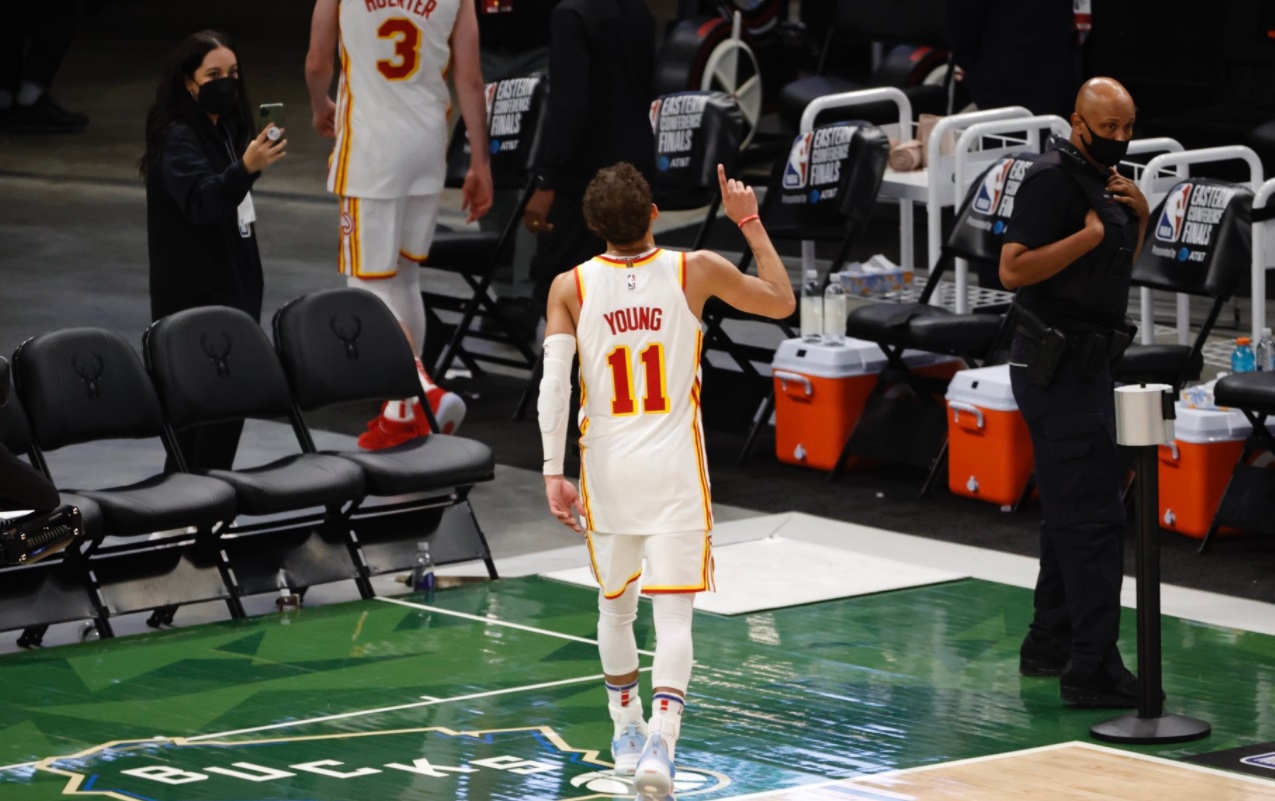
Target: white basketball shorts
375, 233
681, 562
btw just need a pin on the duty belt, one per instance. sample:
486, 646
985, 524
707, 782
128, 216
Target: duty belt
1091, 351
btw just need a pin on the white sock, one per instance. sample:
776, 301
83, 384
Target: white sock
400, 411
625, 705
6, 99
666, 718
28, 93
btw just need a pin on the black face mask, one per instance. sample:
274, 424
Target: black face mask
218, 96
1105, 151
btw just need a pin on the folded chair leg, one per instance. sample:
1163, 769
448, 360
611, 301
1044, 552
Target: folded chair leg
529, 389
32, 637
103, 625
1207, 543
938, 467
760, 419
1025, 494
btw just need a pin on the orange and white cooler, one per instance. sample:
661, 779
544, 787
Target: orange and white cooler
1195, 468
820, 392
989, 447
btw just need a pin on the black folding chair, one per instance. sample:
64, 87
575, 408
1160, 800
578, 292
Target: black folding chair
344, 345
214, 364
54, 590
1213, 271
1246, 504
909, 425
87, 385
514, 114
823, 192
694, 132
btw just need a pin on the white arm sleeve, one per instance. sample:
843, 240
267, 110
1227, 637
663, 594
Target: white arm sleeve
555, 399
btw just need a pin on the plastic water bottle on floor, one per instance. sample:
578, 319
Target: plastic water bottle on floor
288, 600
1243, 360
1264, 353
423, 571
811, 307
834, 311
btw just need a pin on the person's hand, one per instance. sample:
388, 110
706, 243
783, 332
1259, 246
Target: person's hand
261, 152
1094, 227
564, 502
1125, 191
476, 192
738, 199
536, 216
323, 118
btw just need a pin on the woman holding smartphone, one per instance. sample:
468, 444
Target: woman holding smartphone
202, 158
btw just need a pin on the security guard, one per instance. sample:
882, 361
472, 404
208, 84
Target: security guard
1069, 251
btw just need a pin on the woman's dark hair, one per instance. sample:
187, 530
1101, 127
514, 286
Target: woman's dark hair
617, 204
173, 102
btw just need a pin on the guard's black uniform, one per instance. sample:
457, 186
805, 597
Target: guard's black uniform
1072, 419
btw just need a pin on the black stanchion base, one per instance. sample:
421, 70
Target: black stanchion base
1149, 731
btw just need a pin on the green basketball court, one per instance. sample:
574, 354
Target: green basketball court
492, 691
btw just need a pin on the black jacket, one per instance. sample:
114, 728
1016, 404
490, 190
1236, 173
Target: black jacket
601, 67
198, 254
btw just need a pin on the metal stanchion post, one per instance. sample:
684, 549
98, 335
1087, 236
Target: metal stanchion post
1144, 421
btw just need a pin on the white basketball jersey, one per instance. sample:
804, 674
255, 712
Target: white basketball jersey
392, 100
643, 469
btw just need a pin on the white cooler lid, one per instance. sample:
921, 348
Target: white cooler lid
855, 357
819, 360
1209, 425
984, 387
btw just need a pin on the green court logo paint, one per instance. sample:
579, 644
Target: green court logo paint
524, 764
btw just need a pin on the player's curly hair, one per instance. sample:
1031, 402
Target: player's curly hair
617, 204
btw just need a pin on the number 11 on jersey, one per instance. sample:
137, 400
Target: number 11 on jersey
655, 400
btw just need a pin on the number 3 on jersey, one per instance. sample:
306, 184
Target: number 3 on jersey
622, 396
407, 48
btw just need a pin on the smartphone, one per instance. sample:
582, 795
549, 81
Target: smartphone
270, 115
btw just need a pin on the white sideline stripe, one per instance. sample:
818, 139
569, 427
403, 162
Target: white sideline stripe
495, 622
415, 705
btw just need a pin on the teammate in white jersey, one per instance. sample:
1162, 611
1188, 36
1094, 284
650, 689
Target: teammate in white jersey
633, 316
390, 123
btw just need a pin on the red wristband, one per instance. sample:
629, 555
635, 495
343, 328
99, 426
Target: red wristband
749, 219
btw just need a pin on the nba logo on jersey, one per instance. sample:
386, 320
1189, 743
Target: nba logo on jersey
797, 170
989, 192
655, 112
1169, 227
632, 281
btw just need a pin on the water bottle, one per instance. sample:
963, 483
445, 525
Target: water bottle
287, 600
811, 307
1242, 358
834, 311
1264, 353
423, 571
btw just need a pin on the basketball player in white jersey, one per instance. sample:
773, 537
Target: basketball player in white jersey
633, 316
390, 125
